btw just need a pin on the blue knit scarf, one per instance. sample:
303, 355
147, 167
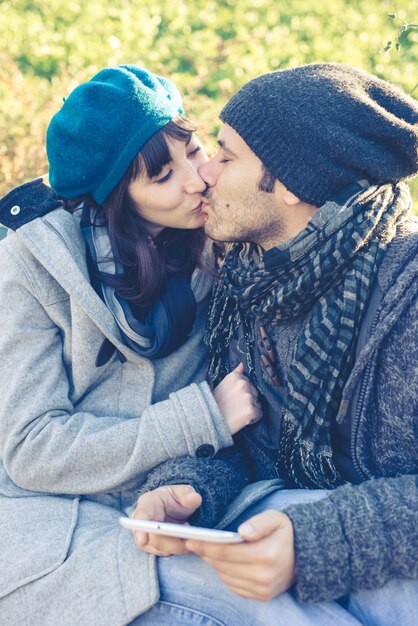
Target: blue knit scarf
326, 271
167, 323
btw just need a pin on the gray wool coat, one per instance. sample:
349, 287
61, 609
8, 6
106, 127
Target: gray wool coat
76, 440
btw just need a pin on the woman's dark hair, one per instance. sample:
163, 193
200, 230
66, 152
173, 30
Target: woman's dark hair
144, 259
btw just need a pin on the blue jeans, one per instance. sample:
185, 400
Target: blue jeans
192, 593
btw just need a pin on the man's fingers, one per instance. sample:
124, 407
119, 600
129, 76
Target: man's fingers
186, 496
249, 593
254, 529
237, 571
141, 539
164, 546
170, 503
261, 567
158, 545
239, 553
180, 501
243, 587
144, 510
149, 507
253, 550
149, 549
263, 584
235, 586
167, 544
262, 525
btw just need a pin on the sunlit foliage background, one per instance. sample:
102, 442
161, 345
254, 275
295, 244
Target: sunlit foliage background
208, 48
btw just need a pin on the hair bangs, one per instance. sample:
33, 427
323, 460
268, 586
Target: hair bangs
156, 153
145, 266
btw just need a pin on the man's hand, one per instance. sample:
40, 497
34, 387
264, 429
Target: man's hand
174, 503
261, 568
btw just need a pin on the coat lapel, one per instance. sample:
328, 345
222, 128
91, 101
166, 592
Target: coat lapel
56, 241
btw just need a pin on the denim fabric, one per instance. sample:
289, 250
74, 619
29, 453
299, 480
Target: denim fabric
192, 593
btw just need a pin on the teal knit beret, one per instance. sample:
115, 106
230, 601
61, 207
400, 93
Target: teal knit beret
102, 125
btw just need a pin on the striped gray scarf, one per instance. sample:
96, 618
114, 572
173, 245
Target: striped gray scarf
327, 270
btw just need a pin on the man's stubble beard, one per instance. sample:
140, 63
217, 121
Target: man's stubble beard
241, 225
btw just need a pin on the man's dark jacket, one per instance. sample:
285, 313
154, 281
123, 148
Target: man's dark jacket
361, 535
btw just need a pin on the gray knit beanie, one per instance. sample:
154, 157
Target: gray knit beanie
320, 127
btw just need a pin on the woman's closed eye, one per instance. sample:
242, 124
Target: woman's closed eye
194, 152
165, 178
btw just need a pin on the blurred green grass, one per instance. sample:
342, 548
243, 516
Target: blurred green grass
209, 48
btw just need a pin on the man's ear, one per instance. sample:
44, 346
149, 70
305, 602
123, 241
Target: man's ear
289, 198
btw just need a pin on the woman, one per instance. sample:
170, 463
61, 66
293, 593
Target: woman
102, 315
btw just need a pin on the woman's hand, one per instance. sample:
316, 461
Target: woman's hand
173, 503
237, 400
263, 566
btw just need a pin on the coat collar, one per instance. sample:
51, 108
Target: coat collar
27, 202
54, 238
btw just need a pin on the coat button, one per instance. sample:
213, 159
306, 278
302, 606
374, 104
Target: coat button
15, 210
206, 451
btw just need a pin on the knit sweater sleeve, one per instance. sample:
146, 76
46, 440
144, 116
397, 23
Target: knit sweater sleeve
362, 536
359, 537
219, 480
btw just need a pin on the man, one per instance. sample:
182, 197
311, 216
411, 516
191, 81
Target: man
321, 307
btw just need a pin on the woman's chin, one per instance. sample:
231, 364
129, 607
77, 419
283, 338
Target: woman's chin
196, 221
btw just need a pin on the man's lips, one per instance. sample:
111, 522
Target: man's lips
200, 207
204, 204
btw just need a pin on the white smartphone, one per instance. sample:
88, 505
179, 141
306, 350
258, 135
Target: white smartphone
181, 530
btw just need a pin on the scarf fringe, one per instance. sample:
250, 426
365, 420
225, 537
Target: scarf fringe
318, 469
